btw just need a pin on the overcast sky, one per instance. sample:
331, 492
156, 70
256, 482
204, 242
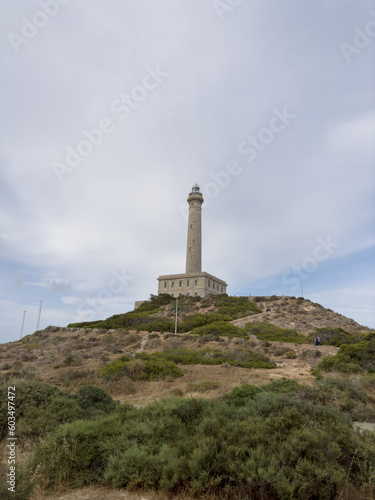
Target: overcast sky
112, 109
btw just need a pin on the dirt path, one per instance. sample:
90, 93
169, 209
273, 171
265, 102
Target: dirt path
98, 493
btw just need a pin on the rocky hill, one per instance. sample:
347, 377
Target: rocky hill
71, 356
130, 381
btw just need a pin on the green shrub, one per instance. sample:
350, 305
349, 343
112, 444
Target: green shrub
337, 336
236, 307
344, 395
282, 386
244, 358
253, 443
160, 369
40, 421
353, 358
94, 400
239, 396
290, 355
137, 320
76, 454
41, 407
113, 369
220, 328
29, 394
155, 302
267, 331
197, 320
145, 367
71, 360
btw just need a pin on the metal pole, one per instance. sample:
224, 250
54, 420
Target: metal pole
175, 324
23, 322
40, 312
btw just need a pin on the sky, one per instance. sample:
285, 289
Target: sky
111, 110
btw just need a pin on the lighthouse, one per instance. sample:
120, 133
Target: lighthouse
193, 282
194, 237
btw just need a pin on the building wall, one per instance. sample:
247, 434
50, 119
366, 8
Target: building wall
194, 284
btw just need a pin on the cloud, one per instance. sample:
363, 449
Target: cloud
120, 208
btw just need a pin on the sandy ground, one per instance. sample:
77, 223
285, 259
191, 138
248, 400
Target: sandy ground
93, 493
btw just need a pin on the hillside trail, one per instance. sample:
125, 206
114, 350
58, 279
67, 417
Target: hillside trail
99, 493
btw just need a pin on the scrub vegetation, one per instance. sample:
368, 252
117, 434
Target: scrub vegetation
269, 438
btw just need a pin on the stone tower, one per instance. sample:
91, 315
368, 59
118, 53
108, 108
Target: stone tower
193, 282
194, 236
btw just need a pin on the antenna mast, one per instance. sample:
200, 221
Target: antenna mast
23, 322
40, 312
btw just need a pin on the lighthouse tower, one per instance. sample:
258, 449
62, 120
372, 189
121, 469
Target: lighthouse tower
193, 282
194, 237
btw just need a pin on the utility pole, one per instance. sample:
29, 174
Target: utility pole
175, 324
23, 322
40, 312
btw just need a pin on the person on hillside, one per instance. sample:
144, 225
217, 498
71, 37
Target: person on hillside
317, 341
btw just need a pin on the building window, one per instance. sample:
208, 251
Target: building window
188, 294
172, 295
189, 249
180, 283
191, 226
188, 282
165, 284
221, 289
172, 284
196, 282
180, 294
196, 294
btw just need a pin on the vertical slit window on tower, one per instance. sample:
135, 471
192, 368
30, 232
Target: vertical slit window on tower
172, 284
165, 285
180, 283
196, 282
188, 283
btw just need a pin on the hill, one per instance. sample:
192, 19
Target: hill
231, 355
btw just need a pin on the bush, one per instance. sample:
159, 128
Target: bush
94, 400
145, 367
254, 442
220, 328
39, 422
290, 355
267, 331
72, 360
337, 336
244, 358
197, 320
29, 394
353, 358
235, 307
76, 454
155, 302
